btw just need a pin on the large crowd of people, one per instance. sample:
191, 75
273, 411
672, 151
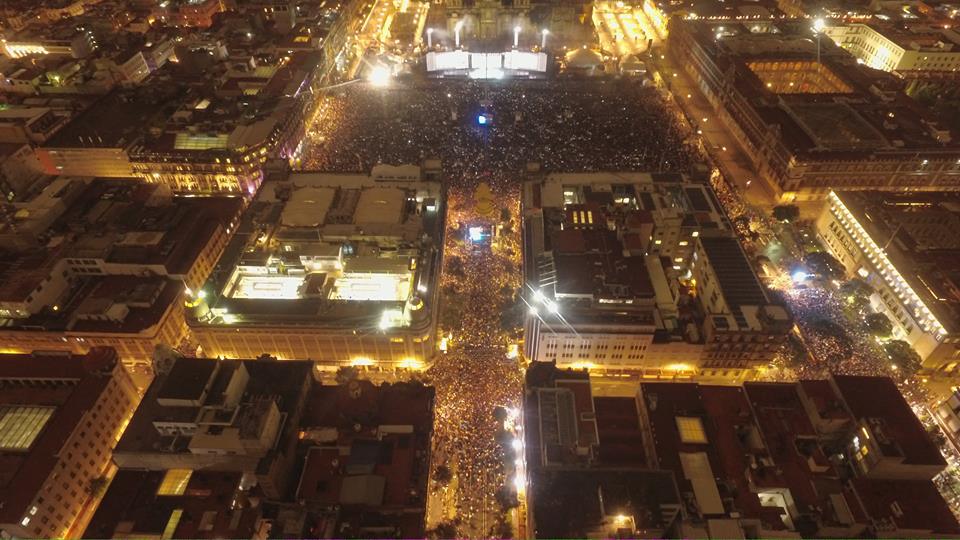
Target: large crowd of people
565, 126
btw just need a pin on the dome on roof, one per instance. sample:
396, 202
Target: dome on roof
583, 58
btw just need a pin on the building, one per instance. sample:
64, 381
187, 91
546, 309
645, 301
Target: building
227, 415
782, 95
493, 22
947, 415
917, 48
636, 272
173, 504
585, 463
905, 247
258, 448
338, 268
19, 170
367, 465
216, 140
106, 262
788, 459
60, 416
837, 458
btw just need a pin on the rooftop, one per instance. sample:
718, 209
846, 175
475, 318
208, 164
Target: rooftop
352, 248
211, 505
918, 232
879, 398
37, 419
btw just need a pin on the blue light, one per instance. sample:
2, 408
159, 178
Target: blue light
800, 276
482, 120
476, 234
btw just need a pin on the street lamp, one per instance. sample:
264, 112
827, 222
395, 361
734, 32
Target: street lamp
456, 33
818, 26
516, 36
429, 38
543, 38
379, 76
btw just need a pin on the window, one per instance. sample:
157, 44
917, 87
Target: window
174, 482
691, 430
20, 425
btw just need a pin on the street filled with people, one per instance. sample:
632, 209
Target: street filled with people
485, 135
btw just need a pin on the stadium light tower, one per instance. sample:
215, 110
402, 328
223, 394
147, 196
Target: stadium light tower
429, 38
516, 36
456, 33
543, 38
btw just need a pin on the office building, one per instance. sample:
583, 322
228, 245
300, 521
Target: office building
917, 48
338, 268
905, 246
60, 416
641, 273
106, 262
783, 95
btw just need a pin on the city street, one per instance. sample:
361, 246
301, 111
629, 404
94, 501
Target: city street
572, 126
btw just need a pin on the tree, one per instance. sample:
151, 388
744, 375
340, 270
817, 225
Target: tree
878, 324
346, 374
786, 212
443, 475
824, 265
857, 292
446, 529
903, 356
793, 352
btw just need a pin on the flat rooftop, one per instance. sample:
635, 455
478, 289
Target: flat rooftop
36, 420
331, 249
134, 505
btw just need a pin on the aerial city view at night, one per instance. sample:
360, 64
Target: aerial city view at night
453, 269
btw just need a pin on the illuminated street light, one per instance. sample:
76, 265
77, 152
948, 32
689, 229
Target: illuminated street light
379, 76
517, 445
552, 307
543, 38
516, 36
818, 26
534, 311
429, 38
538, 296
456, 33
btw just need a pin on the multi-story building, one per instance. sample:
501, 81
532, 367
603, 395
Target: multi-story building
917, 48
216, 141
838, 458
581, 469
106, 263
636, 272
752, 455
28, 124
948, 416
258, 448
227, 415
783, 94
60, 416
339, 268
905, 246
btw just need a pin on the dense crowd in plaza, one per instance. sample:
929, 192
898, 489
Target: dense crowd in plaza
569, 126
